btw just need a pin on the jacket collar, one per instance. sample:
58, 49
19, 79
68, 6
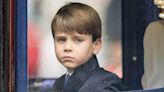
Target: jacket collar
79, 76
88, 67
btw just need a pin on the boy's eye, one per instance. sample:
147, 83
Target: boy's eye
78, 40
60, 40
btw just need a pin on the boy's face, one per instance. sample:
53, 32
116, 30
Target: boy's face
74, 49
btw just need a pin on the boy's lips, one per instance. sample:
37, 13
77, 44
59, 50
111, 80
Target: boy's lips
68, 58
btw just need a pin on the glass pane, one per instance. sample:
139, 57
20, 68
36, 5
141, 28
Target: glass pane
42, 62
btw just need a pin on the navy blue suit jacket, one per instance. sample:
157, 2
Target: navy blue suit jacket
89, 78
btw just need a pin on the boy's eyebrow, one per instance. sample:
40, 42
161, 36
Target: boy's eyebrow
79, 36
59, 36
72, 36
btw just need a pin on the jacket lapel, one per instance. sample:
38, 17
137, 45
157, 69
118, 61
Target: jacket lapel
74, 83
59, 83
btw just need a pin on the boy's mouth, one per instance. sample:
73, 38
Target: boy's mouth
68, 58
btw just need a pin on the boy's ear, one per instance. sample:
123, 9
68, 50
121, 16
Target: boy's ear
97, 46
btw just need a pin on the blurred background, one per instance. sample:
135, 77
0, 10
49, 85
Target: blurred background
42, 62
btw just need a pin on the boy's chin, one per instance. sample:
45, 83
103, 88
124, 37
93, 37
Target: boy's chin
70, 66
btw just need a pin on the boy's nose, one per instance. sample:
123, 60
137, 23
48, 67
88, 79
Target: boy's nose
68, 47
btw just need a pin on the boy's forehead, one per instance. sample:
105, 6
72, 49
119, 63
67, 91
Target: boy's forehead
72, 33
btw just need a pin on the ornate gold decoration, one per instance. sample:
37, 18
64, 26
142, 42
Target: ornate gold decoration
160, 4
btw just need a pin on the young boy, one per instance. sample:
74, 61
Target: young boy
76, 29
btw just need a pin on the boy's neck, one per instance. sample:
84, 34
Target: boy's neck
70, 71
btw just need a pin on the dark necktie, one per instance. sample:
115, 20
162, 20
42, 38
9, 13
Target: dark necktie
66, 79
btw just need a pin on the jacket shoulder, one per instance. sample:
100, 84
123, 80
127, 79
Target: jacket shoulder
106, 76
102, 81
